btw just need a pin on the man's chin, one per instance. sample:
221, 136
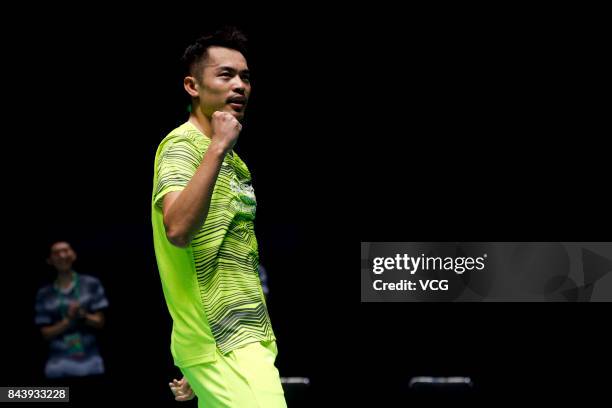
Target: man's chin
237, 115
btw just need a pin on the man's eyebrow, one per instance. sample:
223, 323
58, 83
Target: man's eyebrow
232, 69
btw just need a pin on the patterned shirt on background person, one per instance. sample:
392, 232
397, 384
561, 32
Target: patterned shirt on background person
73, 353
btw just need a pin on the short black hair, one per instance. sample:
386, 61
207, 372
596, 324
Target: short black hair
195, 54
52, 242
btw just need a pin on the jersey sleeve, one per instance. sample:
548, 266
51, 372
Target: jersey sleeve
98, 297
177, 163
42, 315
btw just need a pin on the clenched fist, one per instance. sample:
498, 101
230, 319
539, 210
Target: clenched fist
225, 130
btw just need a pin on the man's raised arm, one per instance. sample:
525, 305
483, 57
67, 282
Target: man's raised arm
185, 211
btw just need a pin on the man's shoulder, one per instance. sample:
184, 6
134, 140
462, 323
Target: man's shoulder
45, 291
185, 133
89, 280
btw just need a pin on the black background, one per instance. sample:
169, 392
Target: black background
378, 126
92, 96
490, 127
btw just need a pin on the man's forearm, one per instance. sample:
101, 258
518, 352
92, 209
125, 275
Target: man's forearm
188, 211
56, 329
95, 320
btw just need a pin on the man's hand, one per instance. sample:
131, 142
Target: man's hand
225, 130
181, 389
73, 310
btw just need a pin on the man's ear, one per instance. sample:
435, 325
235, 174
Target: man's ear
191, 86
49, 261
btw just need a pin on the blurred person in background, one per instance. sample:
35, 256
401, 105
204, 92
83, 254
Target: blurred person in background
69, 313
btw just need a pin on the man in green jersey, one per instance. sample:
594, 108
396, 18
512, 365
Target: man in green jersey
203, 207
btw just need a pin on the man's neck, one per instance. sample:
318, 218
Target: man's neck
201, 122
64, 278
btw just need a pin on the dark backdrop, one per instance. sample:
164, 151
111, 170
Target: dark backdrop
387, 125
94, 94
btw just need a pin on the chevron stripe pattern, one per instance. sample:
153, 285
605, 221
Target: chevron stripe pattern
225, 250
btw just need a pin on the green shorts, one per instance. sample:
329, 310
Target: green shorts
244, 378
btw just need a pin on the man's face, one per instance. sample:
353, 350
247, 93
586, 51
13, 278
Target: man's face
62, 256
224, 82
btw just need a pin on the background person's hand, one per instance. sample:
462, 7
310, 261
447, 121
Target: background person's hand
73, 310
181, 389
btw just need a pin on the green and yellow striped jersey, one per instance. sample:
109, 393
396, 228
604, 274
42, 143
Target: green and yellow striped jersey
212, 287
